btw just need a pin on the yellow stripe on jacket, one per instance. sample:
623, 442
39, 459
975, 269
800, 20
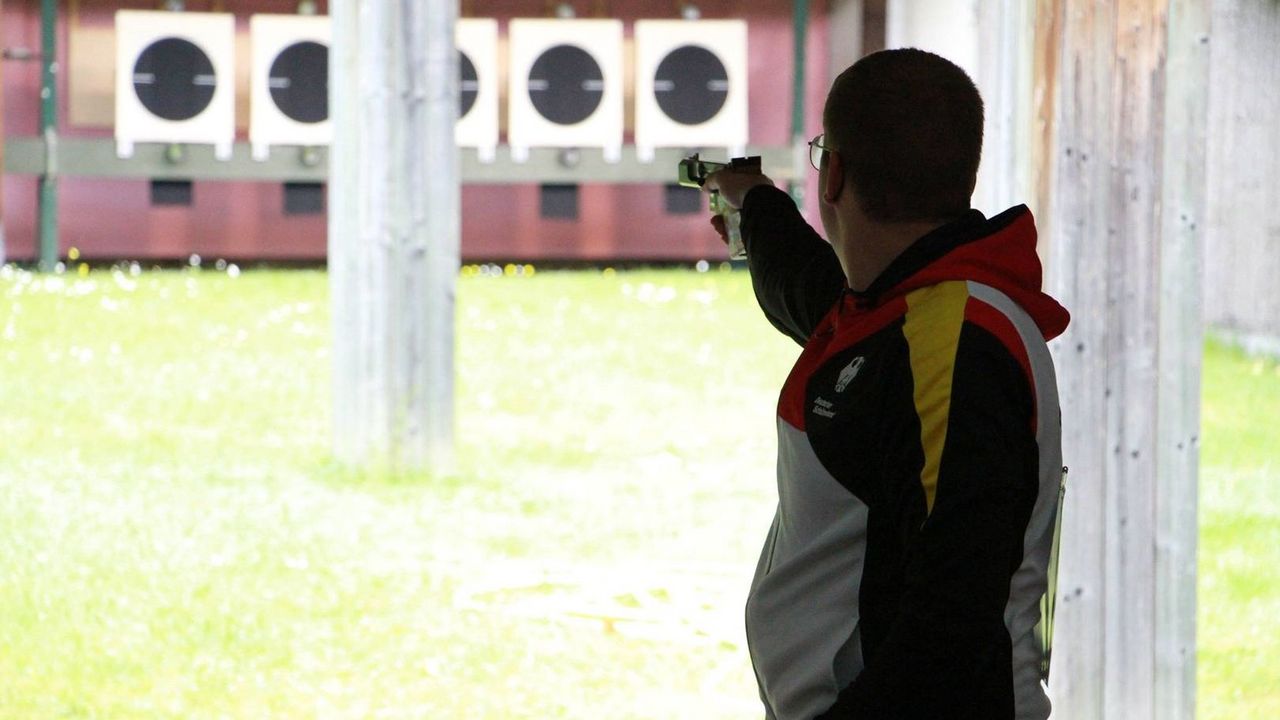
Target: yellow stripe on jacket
932, 328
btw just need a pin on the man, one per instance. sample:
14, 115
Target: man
919, 451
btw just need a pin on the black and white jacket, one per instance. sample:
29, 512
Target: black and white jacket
919, 459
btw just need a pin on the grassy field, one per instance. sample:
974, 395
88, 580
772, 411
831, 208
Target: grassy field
1239, 581
175, 541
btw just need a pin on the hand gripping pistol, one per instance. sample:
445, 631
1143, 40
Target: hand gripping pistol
693, 172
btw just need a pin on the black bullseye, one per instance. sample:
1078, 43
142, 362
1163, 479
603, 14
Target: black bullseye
174, 79
691, 85
566, 85
299, 82
468, 84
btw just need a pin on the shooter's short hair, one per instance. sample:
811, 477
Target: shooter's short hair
908, 126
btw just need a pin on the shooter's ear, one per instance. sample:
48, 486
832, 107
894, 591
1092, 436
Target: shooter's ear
833, 178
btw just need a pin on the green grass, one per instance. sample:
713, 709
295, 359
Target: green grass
176, 542
1239, 582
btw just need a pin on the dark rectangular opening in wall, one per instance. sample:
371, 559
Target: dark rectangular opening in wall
560, 202
303, 198
171, 192
683, 200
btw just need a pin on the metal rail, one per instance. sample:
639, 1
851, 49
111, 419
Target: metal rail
96, 158
49, 128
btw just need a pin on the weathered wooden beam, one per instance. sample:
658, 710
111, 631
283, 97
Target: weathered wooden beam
844, 35
993, 41
1127, 202
394, 231
1242, 253
436, 230
873, 25
1006, 40
1183, 226
1041, 156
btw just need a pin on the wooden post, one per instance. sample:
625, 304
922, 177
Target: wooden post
394, 231
1128, 202
1242, 253
873, 25
1006, 37
1183, 224
945, 27
1040, 153
992, 40
844, 35
799, 125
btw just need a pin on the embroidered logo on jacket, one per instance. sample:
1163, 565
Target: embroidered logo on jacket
849, 372
823, 407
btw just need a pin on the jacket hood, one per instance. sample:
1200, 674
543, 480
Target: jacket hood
999, 251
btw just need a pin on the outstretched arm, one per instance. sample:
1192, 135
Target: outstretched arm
795, 273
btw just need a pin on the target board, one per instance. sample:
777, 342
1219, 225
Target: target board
690, 85
565, 85
289, 82
477, 40
175, 80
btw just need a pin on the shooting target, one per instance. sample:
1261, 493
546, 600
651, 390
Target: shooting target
691, 84
289, 82
477, 127
175, 79
299, 82
566, 85
468, 84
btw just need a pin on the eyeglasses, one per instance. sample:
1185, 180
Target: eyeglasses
816, 149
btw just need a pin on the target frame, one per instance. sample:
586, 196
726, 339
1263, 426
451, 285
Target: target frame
270, 36
214, 35
477, 38
728, 127
529, 40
